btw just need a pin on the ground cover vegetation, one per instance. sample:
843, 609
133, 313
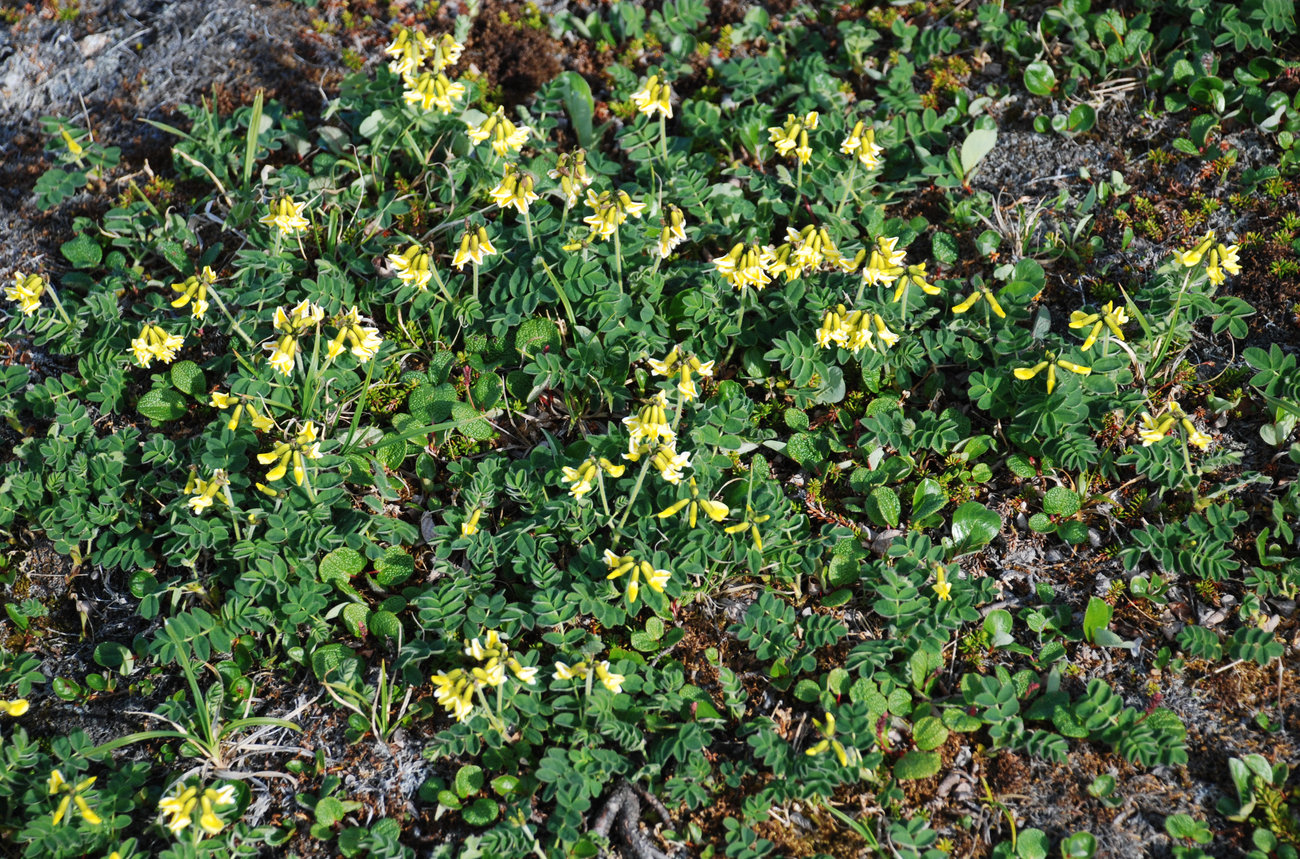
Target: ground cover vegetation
691, 453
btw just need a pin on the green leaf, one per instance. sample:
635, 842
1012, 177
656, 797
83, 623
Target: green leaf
329, 811
174, 253
1039, 78
1031, 844
998, 626
917, 765
469, 781
471, 423
943, 248
538, 334
394, 567
340, 565
580, 106
1080, 845
883, 506
929, 733
1042, 523
1082, 119
188, 379
1095, 617
354, 618
162, 404
974, 526
1059, 501
385, 624
480, 812
82, 252
927, 500
977, 144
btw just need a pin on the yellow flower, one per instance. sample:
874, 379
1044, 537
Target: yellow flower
155, 343
743, 266
636, 571
751, 524
793, 136
1222, 258
650, 423
654, 97
413, 266
942, 587
1193, 255
564, 671
862, 143
1154, 430
853, 330
365, 340
1110, 316
715, 510
407, 51
583, 476
286, 216
611, 681
304, 445
828, 741
57, 784
571, 172
469, 527
914, 274
444, 53
670, 463
673, 232
678, 365
14, 708
988, 296
204, 491
610, 209
433, 90
1052, 362
194, 291
455, 692
506, 136
26, 292
514, 189
473, 247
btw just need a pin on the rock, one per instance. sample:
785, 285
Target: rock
94, 43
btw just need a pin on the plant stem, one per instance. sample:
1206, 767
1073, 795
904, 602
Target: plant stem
221, 305
58, 305
618, 261
1173, 321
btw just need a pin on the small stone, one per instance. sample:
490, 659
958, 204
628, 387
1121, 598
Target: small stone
94, 44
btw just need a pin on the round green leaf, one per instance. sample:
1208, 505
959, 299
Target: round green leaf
329, 811
929, 733
1060, 501
1042, 523
480, 812
394, 567
188, 379
469, 781
341, 564
883, 506
917, 765
1039, 78
974, 526
537, 335
354, 618
161, 404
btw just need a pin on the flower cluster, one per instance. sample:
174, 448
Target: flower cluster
862, 143
650, 423
413, 266
506, 136
155, 344
365, 341
292, 324
241, 404
673, 232
473, 247
746, 266
455, 690
654, 97
853, 330
582, 671
303, 446
609, 210
204, 491
514, 189
715, 510
1110, 316
1050, 365
1155, 429
681, 366
194, 291
72, 793
793, 136
751, 523
26, 292
810, 249
635, 571
411, 49
992, 300
1218, 257
14, 708
179, 809
828, 741
286, 216
571, 172
664, 457
582, 478
433, 89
